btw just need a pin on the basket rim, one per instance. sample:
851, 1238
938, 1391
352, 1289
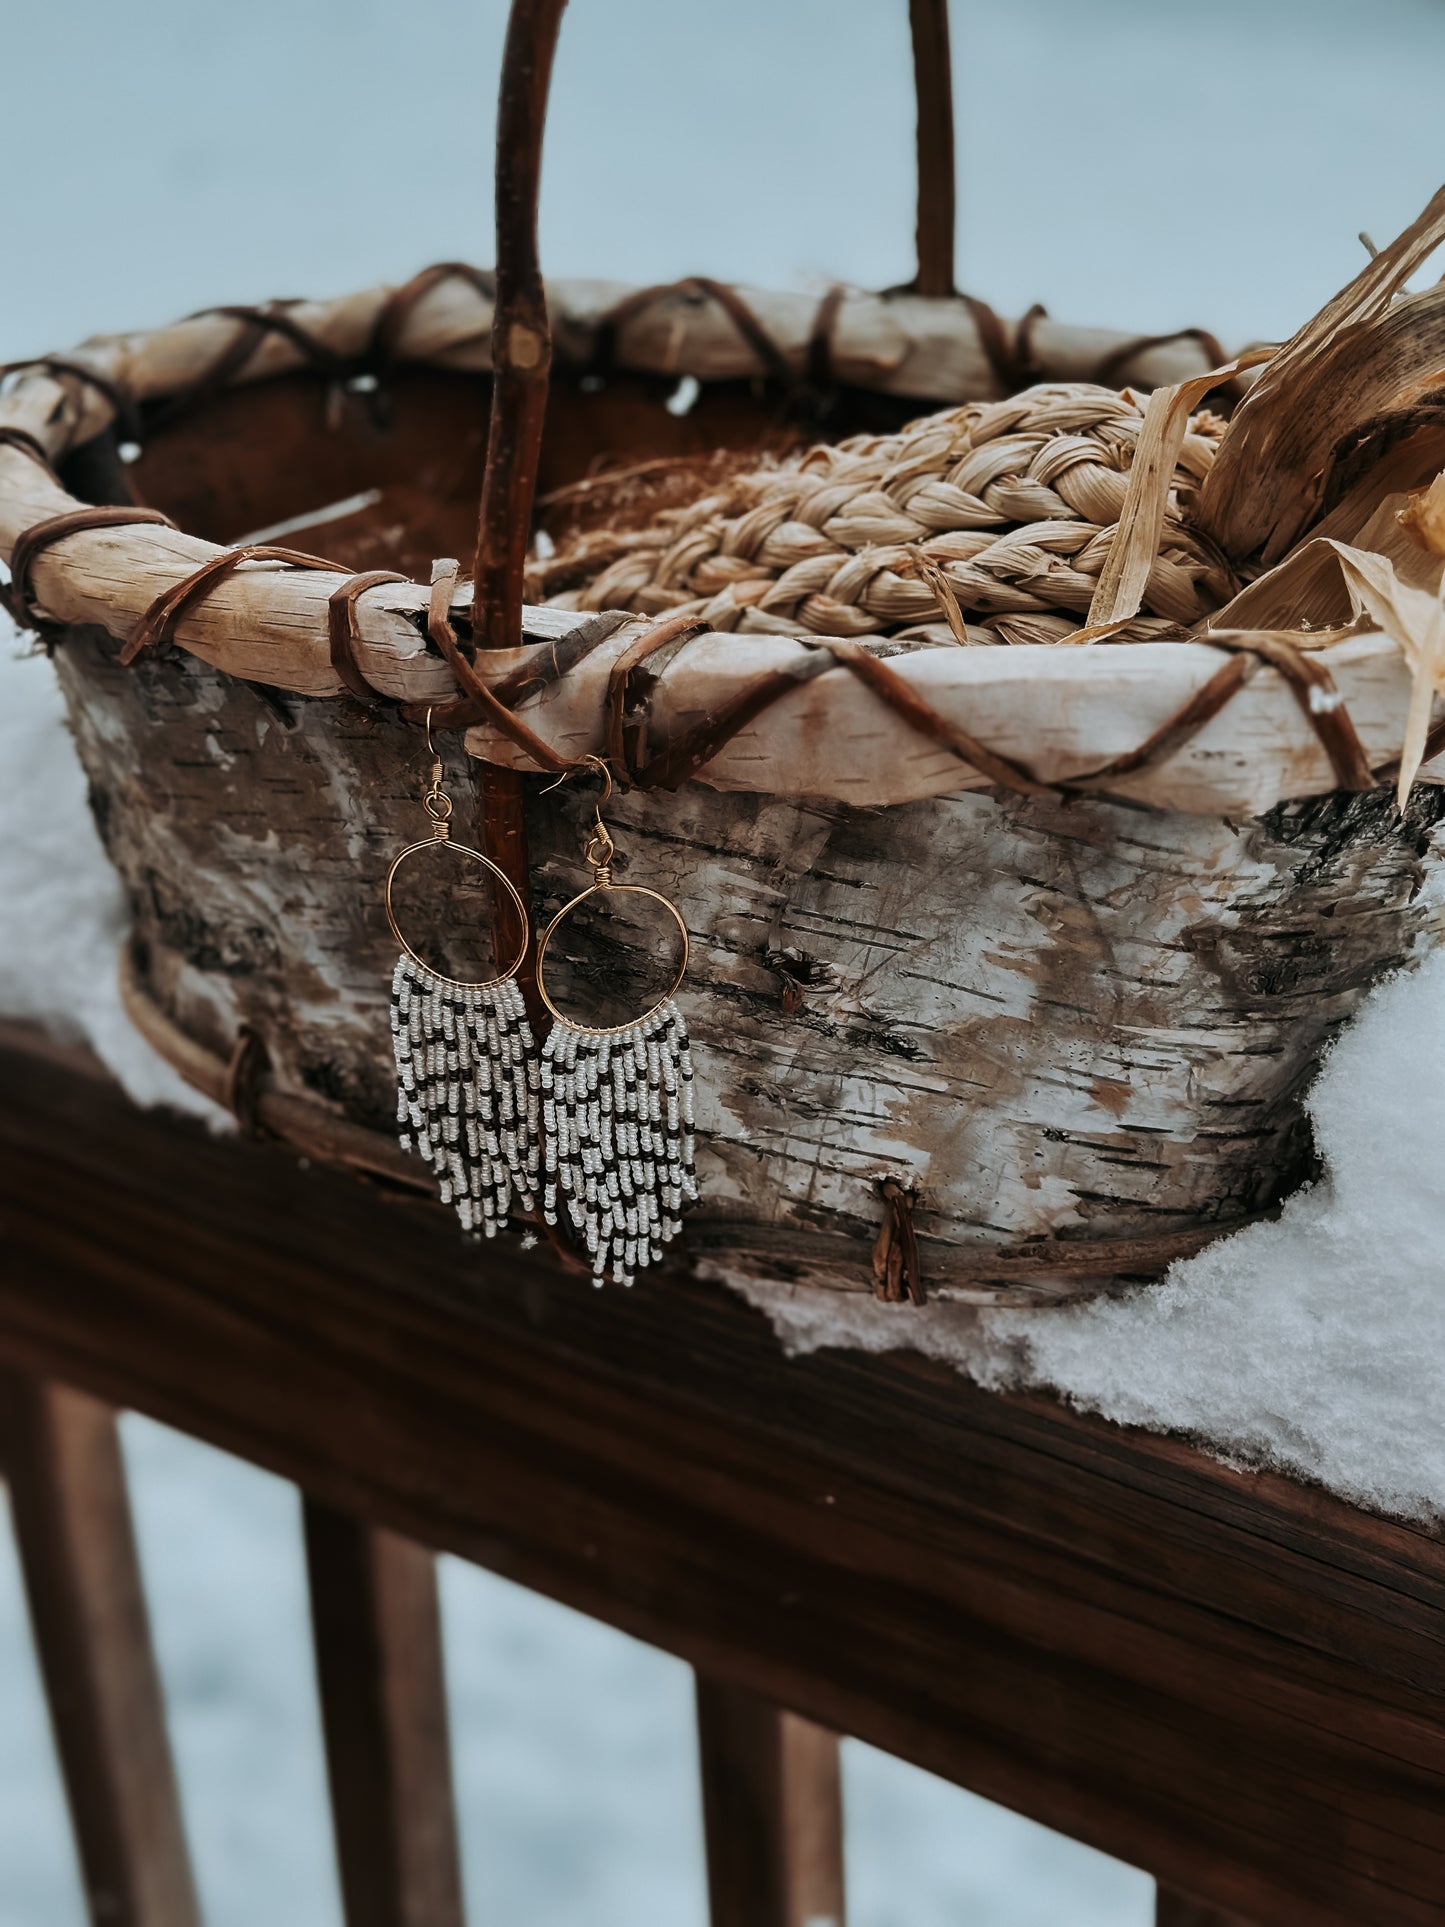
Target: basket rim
1064, 712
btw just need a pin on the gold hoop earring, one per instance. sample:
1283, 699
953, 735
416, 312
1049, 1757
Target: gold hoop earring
617, 1109
467, 1077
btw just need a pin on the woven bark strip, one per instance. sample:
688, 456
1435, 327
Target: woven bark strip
1162, 728
156, 624
37, 537
900, 344
341, 628
1111, 1050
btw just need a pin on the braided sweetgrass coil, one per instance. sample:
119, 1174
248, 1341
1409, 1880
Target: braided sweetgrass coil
1017, 502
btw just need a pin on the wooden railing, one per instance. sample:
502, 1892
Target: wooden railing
770, 1781
60, 1455
1234, 1682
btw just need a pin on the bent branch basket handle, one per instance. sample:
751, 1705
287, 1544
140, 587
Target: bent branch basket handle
933, 82
521, 340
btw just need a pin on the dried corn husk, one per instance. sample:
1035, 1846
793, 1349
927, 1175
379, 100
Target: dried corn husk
1422, 516
1415, 619
1124, 578
1362, 373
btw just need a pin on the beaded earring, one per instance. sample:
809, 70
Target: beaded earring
467, 1098
617, 1114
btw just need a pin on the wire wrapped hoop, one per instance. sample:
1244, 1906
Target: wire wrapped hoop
464, 850
617, 889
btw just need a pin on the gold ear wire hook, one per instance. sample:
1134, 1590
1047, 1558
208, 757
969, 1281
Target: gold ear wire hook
606, 797
595, 762
436, 802
431, 750
599, 848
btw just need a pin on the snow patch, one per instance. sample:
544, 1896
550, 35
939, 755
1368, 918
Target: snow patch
62, 909
1314, 1345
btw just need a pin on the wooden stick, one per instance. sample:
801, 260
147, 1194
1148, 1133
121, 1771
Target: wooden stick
62, 1459
933, 78
521, 337
377, 1634
772, 1812
521, 360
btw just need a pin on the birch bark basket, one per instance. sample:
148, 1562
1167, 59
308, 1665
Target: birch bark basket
1063, 1020
1074, 1028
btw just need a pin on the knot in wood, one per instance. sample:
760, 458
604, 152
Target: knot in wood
526, 349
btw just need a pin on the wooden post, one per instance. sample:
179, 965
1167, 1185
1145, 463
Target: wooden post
377, 1633
772, 1813
61, 1456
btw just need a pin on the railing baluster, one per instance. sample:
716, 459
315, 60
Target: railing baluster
377, 1632
1172, 1909
772, 1813
61, 1457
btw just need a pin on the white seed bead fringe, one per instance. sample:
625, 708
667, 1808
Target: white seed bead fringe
617, 1121
467, 1092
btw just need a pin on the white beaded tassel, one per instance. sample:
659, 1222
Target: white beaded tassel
467, 1092
617, 1124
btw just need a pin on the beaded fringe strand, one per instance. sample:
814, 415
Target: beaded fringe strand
617, 1114
467, 1091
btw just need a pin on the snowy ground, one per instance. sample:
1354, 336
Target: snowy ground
1134, 164
1315, 1345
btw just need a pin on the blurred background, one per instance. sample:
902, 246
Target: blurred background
1140, 164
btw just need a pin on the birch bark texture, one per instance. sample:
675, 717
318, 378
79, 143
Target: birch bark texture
1061, 1020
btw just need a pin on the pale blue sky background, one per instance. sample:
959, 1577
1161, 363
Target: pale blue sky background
1145, 163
